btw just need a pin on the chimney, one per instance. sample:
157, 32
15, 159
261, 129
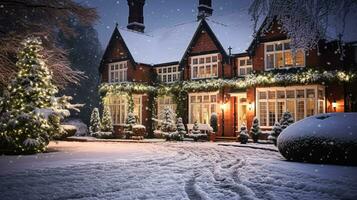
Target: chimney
136, 15
204, 9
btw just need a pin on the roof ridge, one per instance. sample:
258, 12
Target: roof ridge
139, 33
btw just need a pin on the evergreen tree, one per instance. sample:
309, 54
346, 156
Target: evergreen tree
286, 120
275, 132
168, 124
214, 122
107, 123
195, 128
243, 134
94, 126
255, 130
181, 131
130, 122
27, 102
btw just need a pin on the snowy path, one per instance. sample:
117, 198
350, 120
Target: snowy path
169, 171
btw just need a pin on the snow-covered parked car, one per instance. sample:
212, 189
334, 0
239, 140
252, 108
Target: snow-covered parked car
324, 138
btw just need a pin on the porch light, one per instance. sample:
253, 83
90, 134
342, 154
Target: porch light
223, 106
334, 105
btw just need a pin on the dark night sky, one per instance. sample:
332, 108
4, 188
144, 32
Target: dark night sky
157, 13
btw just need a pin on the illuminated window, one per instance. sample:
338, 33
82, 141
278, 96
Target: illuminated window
279, 55
300, 101
201, 107
118, 106
164, 102
205, 66
169, 74
244, 66
118, 72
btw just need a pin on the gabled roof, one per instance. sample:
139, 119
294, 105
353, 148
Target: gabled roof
167, 45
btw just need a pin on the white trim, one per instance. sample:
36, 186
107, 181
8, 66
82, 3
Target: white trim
168, 77
246, 67
205, 66
318, 102
202, 103
283, 54
118, 72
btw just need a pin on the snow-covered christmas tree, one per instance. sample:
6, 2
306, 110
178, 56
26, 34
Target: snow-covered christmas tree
286, 120
107, 123
181, 130
168, 126
243, 134
94, 126
27, 120
275, 132
130, 122
255, 130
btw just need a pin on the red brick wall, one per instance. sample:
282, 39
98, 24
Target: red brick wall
203, 43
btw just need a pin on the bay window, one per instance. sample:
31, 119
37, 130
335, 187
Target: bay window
279, 55
118, 72
300, 101
118, 106
201, 107
205, 66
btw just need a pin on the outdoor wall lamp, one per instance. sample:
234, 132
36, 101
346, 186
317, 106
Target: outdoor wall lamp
223, 106
250, 106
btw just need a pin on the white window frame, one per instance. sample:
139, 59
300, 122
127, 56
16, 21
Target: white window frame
118, 72
202, 94
168, 101
317, 100
168, 77
205, 65
245, 67
266, 53
122, 102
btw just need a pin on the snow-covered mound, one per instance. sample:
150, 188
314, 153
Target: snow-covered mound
82, 129
324, 138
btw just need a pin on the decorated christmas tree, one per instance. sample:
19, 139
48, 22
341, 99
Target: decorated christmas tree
107, 123
214, 122
94, 123
275, 132
286, 120
29, 103
255, 130
243, 134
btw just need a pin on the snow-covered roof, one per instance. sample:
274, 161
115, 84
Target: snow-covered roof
166, 45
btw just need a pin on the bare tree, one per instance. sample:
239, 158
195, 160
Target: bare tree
304, 21
20, 19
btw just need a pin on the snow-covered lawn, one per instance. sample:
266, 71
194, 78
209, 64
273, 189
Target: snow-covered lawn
169, 171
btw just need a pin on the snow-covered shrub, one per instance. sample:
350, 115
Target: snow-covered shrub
286, 120
70, 130
255, 130
275, 132
195, 128
181, 130
31, 114
139, 131
130, 122
107, 123
168, 126
94, 123
214, 122
325, 138
82, 129
243, 134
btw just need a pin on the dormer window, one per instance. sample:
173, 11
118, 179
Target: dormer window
169, 74
244, 66
118, 72
205, 66
279, 55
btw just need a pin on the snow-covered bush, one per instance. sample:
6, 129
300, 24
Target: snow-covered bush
139, 131
195, 128
275, 132
107, 123
243, 134
181, 130
130, 122
94, 123
325, 138
286, 120
82, 129
70, 130
31, 114
255, 130
168, 126
214, 122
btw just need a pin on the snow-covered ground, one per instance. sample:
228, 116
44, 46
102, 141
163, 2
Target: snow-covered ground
169, 171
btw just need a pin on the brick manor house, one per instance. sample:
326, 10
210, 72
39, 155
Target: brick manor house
220, 48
